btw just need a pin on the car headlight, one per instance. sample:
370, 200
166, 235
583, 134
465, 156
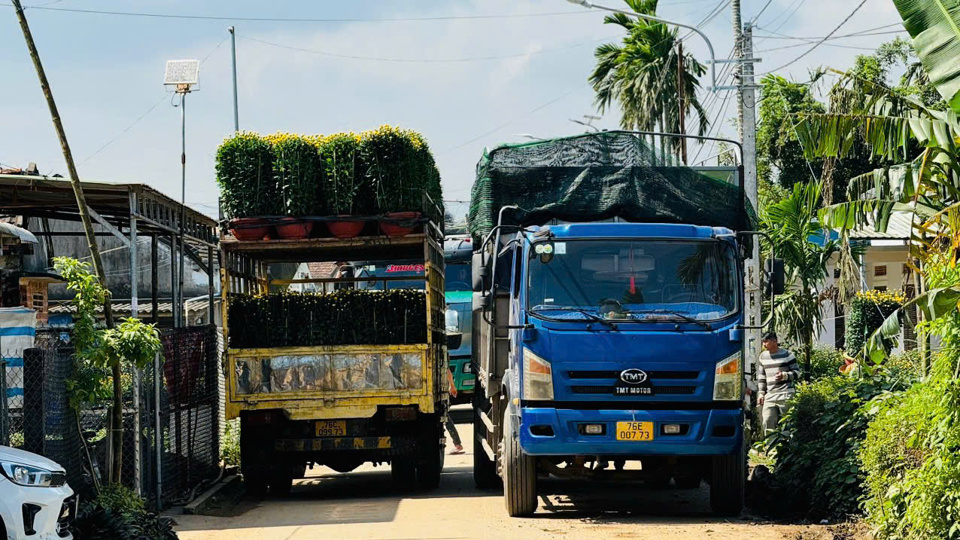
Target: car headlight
452, 320
728, 379
537, 377
24, 475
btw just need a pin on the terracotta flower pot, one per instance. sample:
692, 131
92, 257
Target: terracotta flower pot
247, 229
399, 223
345, 227
294, 228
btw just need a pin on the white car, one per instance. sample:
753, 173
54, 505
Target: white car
35, 501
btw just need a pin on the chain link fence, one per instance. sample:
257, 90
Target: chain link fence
185, 402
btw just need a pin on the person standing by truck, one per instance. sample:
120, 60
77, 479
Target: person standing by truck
779, 372
451, 427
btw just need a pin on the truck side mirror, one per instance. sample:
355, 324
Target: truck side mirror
480, 272
454, 340
775, 275
481, 301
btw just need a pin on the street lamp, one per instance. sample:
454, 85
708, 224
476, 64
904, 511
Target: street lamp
713, 57
182, 75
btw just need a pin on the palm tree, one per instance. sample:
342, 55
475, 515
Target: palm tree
640, 74
798, 238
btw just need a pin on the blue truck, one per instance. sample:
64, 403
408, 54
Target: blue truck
608, 336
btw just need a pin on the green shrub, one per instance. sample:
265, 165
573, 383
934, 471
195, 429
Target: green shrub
868, 310
297, 172
118, 512
345, 317
230, 444
245, 176
825, 362
816, 449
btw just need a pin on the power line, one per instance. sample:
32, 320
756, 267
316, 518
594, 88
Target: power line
516, 118
765, 6
794, 11
867, 32
811, 49
308, 20
838, 45
420, 60
145, 113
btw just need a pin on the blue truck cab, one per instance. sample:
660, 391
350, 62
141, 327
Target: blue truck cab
610, 350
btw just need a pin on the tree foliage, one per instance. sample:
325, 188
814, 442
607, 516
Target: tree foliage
640, 74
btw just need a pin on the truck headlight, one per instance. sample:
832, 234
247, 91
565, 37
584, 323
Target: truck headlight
537, 377
728, 379
25, 475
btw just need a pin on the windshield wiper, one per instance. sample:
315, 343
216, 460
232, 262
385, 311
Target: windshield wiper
676, 314
581, 311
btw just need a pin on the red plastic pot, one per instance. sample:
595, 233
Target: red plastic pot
395, 225
294, 228
345, 228
247, 229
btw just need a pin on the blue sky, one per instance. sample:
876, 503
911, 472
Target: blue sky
106, 72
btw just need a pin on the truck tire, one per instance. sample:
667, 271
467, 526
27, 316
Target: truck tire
430, 468
484, 469
727, 482
519, 474
255, 484
281, 484
403, 472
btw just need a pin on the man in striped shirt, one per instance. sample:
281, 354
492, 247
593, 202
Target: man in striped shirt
776, 381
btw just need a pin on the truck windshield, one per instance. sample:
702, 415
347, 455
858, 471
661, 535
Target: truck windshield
632, 281
458, 277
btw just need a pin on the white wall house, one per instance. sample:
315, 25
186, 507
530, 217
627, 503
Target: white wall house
883, 267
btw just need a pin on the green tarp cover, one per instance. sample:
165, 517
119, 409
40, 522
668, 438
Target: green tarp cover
598, 176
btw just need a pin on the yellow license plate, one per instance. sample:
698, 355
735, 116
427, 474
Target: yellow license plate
634, 431
331, 428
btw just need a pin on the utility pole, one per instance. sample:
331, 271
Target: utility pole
738, 55
681, 93
117, 429
748, 104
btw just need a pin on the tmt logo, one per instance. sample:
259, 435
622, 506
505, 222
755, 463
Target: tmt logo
634, 376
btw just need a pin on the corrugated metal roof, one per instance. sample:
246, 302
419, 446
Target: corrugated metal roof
123, 306
898, 229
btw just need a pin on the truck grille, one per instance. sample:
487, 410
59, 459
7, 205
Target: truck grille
658, 390
600, 384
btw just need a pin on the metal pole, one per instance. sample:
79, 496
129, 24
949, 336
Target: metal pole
154, 277
183, 200
749, 102
233, 56
173, 281
682, 101
134, 311
210, 318
157, 430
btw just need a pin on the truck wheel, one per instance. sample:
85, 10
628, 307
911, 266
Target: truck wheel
519, 474
484, 469
403, 471
429, 469
256, 484
281, 484
727, 480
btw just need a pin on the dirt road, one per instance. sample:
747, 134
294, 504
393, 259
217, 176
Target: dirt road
361, 505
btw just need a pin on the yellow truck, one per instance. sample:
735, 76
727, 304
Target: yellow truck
337, 405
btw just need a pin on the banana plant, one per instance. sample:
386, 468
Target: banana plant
934, 26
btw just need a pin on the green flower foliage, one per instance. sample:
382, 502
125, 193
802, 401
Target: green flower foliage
816, 450
868, 310
246, 178
384, 170
345, 317
297, 172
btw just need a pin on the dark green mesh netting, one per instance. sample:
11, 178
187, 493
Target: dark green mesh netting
598, 176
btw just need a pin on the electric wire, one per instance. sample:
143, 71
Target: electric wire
421, 60
145, 113
815, 46
307, 19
